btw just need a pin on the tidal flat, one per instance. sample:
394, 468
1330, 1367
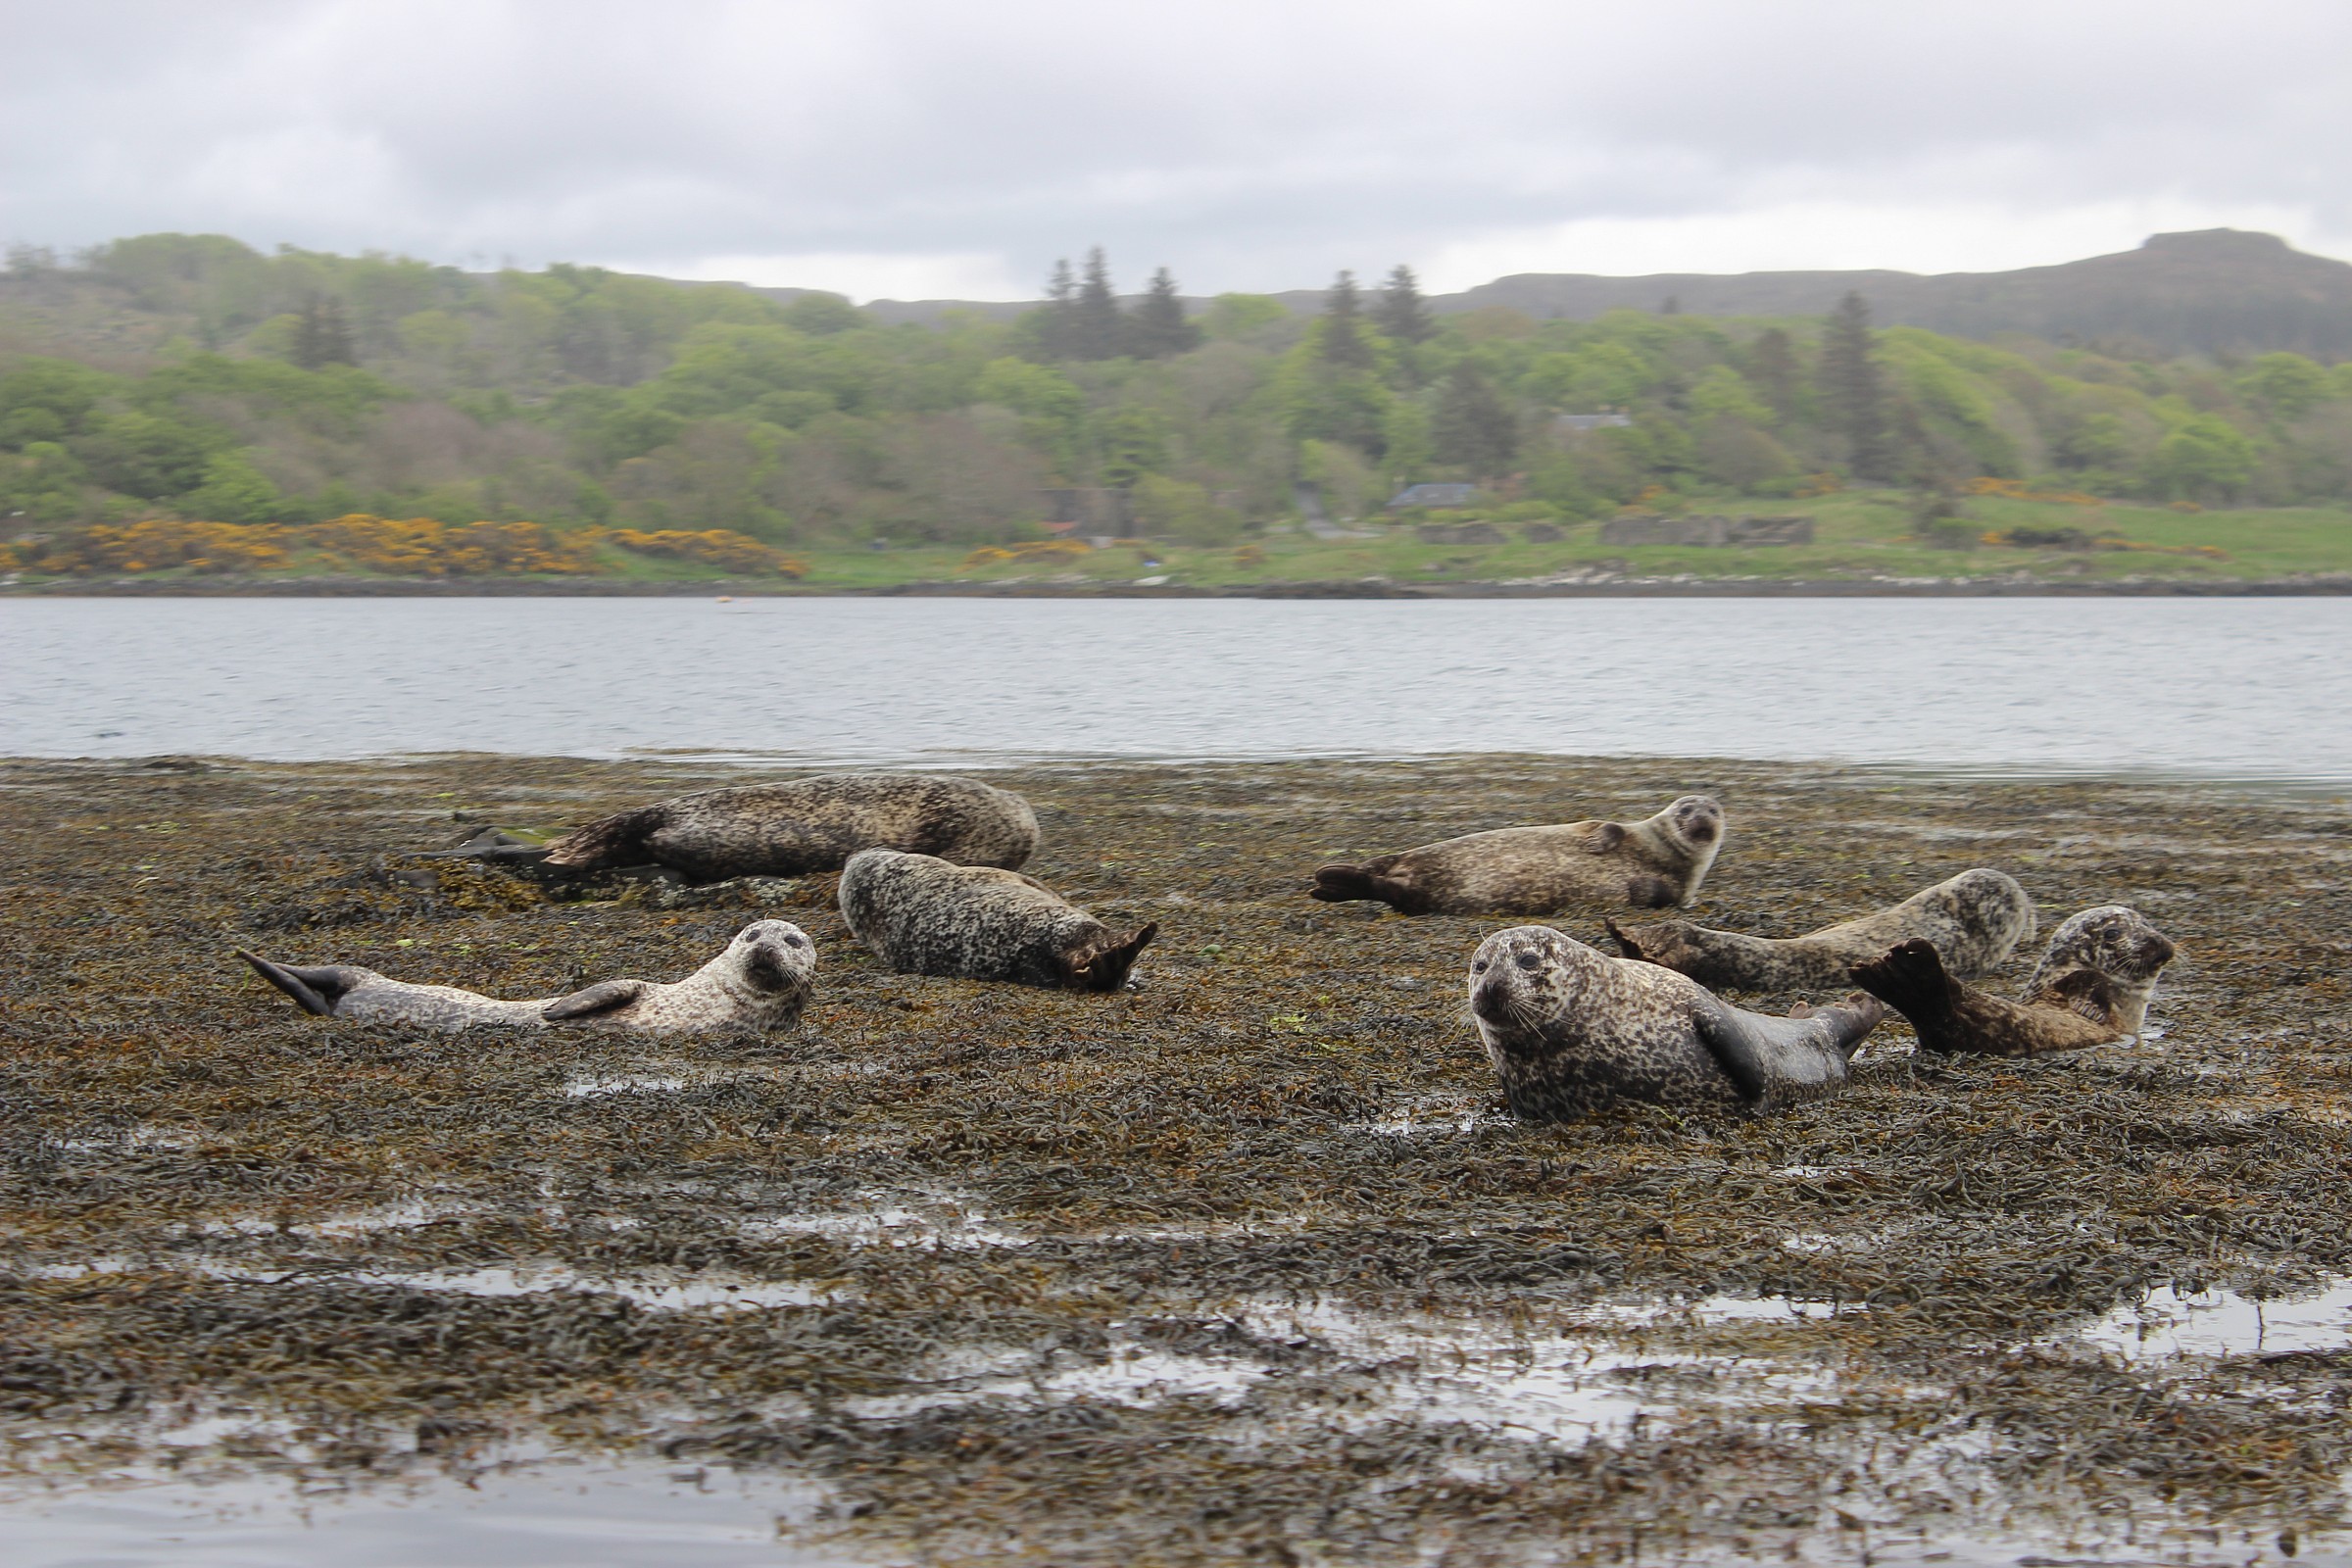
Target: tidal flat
1244, 1264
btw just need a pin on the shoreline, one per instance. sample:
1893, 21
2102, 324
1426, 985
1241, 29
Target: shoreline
1614, 588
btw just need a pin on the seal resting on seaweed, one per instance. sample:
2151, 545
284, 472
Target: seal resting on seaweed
761, 981
924, 916
1572, 1030
810, 824
1974, 921
2091, 988
1650, 864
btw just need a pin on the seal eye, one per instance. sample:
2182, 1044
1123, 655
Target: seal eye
795, 942
1528, 962
1479, 967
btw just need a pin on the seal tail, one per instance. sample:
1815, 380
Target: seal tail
617, 840
1343, 883
1627, 947
1910, 978
317, 989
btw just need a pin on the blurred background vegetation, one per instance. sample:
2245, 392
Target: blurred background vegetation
187, 379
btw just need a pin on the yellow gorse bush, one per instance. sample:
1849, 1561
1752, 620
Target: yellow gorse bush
1030, 550
2015, 490
716, 547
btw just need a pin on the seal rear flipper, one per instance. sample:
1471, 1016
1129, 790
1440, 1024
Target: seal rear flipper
1104, 965
1910, 978
617, 840
606, 996
317, 989
1627, 947
1344, 884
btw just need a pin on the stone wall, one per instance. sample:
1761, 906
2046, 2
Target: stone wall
1713, 531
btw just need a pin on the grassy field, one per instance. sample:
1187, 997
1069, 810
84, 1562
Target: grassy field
1861, 536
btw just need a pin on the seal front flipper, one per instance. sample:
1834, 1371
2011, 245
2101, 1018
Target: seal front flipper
1775, 1061
318, 988
606, 996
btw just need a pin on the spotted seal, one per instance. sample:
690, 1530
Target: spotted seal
2091, 988
761, 981
1974, 921
924, 916
1649, 865
1570, 1030
810, 824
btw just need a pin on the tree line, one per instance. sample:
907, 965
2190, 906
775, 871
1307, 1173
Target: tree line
214, 382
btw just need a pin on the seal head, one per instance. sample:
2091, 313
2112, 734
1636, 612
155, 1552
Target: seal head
1570, 1030
2118, 942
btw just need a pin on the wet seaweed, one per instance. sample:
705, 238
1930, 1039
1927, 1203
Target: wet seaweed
947, 1206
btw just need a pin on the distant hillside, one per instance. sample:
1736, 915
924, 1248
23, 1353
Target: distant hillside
2217, 291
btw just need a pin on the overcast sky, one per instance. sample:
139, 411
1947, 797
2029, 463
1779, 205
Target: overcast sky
908, 149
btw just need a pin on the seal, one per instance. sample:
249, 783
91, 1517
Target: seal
1974, 921
1570, 1030
810, 824
922, 915
761, 980
1650, 864
2071, 1001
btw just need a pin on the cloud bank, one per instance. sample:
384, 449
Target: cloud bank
905, 148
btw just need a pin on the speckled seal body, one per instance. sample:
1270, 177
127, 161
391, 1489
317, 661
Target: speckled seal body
1974, 921
761, 981
922, 915
810, 824
2071, 1001
1570, 1030
1650, 864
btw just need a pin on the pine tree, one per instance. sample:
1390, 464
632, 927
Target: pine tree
322, 336
1772, 365
1473, 426
1158, 328
1343, 343
1402, 315
1057, 333
1853, 394
1100, 329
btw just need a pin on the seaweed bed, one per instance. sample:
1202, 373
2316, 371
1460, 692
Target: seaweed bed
1244, 1263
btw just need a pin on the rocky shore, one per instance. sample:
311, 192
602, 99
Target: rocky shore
1245, 1264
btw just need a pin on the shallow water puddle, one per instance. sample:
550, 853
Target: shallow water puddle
930, 1221
2171, 1322
606, 1514
678, 1294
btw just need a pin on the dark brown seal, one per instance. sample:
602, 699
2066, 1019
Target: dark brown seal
925, 917
810, 824
1974, 921
1570, 1030
2070, 1002
761, 981
1649, 865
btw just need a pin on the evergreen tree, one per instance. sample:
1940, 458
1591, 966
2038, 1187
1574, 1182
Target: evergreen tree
1402, 315
1057, 333
1473, 426
1854, 393
1343, 343
1158, 328
1100, 329
322, 335
1772, 367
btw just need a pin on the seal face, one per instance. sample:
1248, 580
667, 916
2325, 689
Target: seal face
811, 824
2070, 1001
760, 980
1650, 864
1570, 1030
1974, 921
922, 915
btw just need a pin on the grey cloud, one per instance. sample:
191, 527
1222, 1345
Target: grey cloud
1245, 145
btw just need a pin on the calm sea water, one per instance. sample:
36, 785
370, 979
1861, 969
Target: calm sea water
2248, 688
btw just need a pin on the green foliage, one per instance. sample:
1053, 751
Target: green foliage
46, 399
1472, 427
821, 315
146, 456
1173, 509
2286, 386
1237, 316
233, 490
2206, 459
1852, 389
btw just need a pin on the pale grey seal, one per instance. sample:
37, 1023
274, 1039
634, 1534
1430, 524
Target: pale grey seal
1975, 920
924, 916
761, 981
2091, 987
1649, 865
1570, 1030
810, 824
